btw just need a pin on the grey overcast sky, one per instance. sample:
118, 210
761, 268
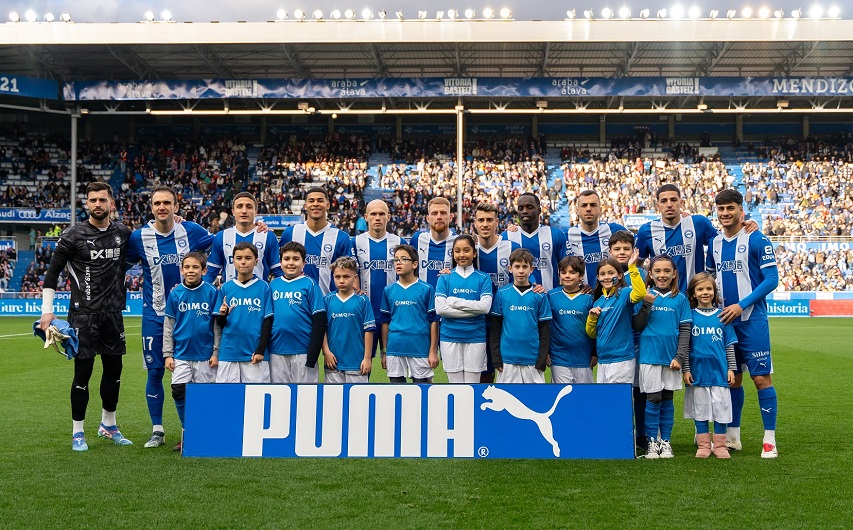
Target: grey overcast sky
261, 10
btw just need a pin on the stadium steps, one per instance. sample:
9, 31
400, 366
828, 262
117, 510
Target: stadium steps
560, 214
25, 257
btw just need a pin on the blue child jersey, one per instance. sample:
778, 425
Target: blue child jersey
410, 311
475, 286
161, 256
570, 345
322, 249
348, 320
684, 243
376, 267
294, 302
548, 246
434, 256
614, 340
252, 303
593, 247
522, 312
659, 339
221, 258
708, 364
194, 309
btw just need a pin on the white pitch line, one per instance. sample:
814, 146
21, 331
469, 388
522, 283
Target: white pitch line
30, 334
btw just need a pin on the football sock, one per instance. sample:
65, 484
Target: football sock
767, 402
76, 426
455, 377
702, 427
157, 428
179, 393
667, 418
110, 381
108, 418
653, 415
720, 428
639, 410
80, 388
770, 437
471, 377
154, 394
180, 405
737, 406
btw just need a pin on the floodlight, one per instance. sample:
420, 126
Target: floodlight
661, 13
31, 16
506, 13
422, 15
469, 13
366, 14
452, 14
815, 11
14, 17
779, 13
731, 13
166, 15
349, 14
833, 12
149, 16
624, 12
677, 12
797, 13
336, 14
65, 17
399, 15
764, 12
746, 12
281, 14
606, 13
588, 14
714, 14
48, 17
571, 14
645, 13
439, 15
694, 12
383, 14
488, 13
299, 14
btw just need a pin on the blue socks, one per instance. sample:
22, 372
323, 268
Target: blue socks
767, 402
653, 417
719, 428
180, 404
702, 427
154, 394
737, 405
667, 418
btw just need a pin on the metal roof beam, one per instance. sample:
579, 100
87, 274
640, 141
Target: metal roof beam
289, 53
715, 54
213, 60
381, 69
546, 56
798, 55
133, 62
631, 52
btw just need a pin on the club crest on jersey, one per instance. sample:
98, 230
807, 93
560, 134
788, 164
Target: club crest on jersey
504, 262
741, 248
182, 243
118, 240
327, 247
259, 245
546, 246
688, 234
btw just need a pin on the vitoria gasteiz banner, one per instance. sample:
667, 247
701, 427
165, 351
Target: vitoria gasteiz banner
414, 421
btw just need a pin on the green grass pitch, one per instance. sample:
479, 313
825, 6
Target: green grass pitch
43, 484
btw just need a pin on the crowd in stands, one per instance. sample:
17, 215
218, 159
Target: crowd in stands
7, 267
814, 270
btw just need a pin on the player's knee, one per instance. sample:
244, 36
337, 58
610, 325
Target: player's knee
156, 374
762, 381
112, 365
179, 391
654, 397
397, 380
666, 395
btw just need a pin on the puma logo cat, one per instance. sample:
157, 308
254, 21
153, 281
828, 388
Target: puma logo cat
500, 399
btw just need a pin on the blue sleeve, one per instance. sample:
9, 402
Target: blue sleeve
544, 308
271, 259
214, 260
759, 248
133, 254
286, 236
710, 265
431, 304
729, 334
442, 287
214, 304
385, 307
170, 305
685, 314
317, 302
641, 241
561, 241
367, 311
200, 239
706, 228
496, 304
485, 286
345, 246
327, 300
268, 310
616, 227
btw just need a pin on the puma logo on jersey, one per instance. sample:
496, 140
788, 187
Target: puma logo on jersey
499, 399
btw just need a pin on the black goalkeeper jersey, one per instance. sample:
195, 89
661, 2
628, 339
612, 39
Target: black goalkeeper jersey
96, 264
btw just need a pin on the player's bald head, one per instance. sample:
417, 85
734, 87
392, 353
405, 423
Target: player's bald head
376, 204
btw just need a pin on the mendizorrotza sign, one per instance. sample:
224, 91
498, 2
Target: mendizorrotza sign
384, 420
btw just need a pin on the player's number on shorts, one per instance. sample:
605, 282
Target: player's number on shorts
147, 343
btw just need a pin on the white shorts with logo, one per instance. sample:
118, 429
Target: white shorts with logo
655, 378
291, 369
193, 372
463, 357
708, 403
516, 373
568, 375
414, 367
621, 372
243, 372
337, 377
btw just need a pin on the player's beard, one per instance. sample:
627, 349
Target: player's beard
99, 215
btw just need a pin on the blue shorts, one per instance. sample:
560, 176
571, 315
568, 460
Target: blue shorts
752, 350
152, 344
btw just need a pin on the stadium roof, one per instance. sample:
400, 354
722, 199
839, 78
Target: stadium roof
414, 48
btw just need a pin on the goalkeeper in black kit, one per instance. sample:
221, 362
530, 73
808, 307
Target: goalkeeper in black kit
94, 252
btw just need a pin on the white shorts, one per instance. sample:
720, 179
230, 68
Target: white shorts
291, 369
414, 367
567, 375
243, 372
708, 403
193, 372
655, 378
621, 372
463, 357
516, 373
336, 377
